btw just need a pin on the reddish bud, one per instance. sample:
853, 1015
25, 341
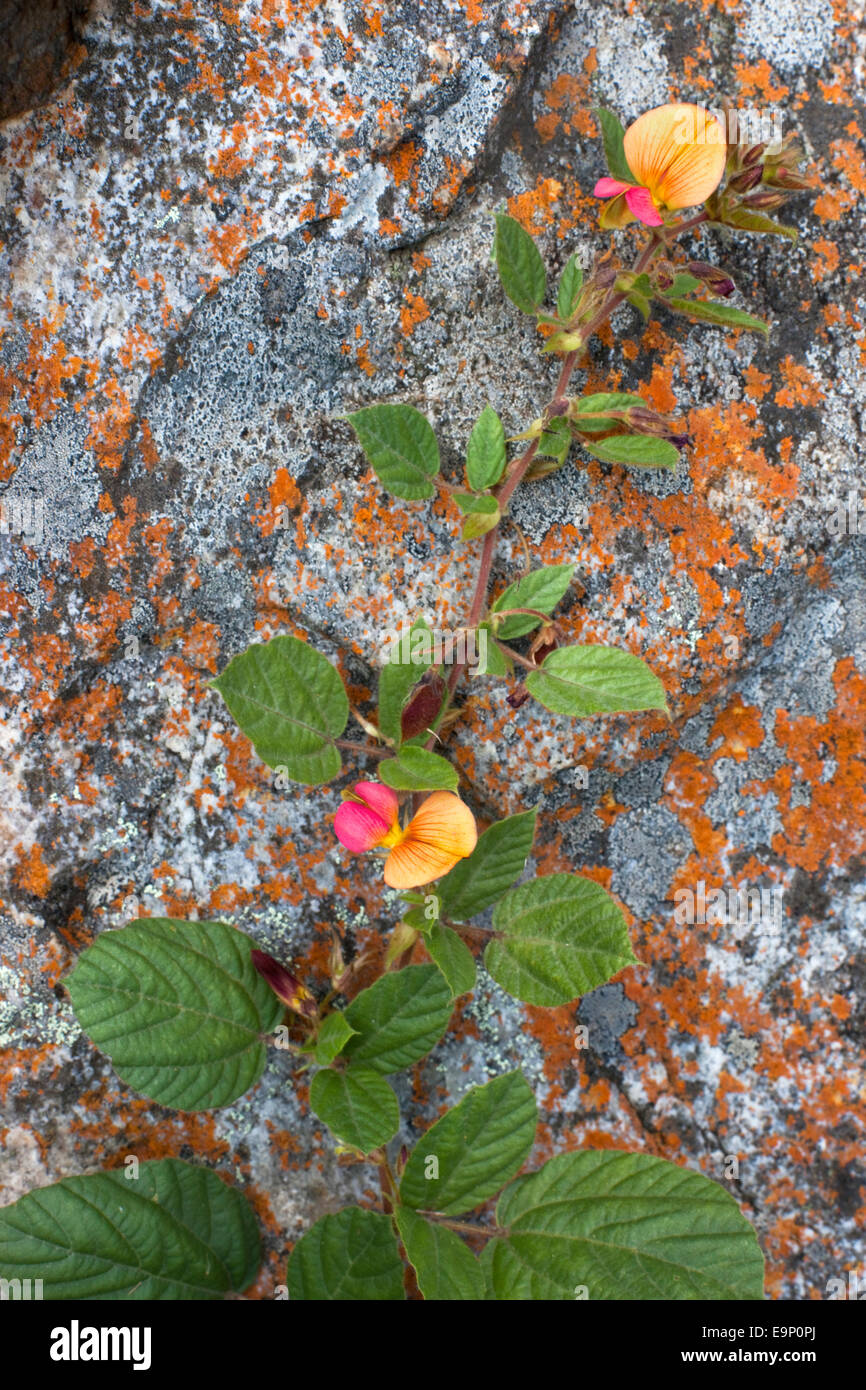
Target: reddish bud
789, 179
518, 696
664, 275
750, 178
718, 281
753, 155
543, 644
284, 984
764, 201
423, 705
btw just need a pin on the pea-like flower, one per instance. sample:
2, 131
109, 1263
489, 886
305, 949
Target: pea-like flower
441, 832
677, 155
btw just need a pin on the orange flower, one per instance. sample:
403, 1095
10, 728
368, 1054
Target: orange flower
440, 833
677, 155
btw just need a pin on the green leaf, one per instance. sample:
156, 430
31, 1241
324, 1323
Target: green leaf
483, 513
683, 284
637, 450
559, 936
350, 1256
397, 678
593, 407
746, 221
401, 448
291, 703
477, 1147
625, 1226
445, 1267
521, 268
570, 286
496, 861
556, 441
613, 134
399, 1018
485, 454
638, 291
357, 1105
714, 311
334, 1033
491, 660
175, 1231
452, 956
179, 1009
417, 919
542, 589
595, 680
418, 770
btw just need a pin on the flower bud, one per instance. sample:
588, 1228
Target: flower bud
403, 938
285, 985
720, 283
749, 178
764, 201
788, 179
518, 696
543, 644
423, 705
664, 275
753, 155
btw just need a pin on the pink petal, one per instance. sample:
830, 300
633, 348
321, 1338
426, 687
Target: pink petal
640, 202
379, 798
608, 188
358, 827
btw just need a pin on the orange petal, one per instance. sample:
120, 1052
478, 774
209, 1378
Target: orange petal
446, 823
678, 151
441, 832
410, 865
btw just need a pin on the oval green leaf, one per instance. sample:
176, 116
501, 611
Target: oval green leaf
559, 936
477, 1147
291, 703
179, 1009
357, 1105
445, 1267
485, 452
418, 770
542, 589
175, 1231
570, 286
399, 1018
350, 1256
595, 680
635, 450
521, 268
453, 958
624, 1226
712, 311
401, 448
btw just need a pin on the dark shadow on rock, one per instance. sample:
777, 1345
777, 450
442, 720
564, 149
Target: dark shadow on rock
38, 39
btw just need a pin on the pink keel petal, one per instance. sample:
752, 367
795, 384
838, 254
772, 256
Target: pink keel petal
608, 188
358, 827
640, 202
379, 798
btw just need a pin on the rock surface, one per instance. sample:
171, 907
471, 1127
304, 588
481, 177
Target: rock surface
223, 234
